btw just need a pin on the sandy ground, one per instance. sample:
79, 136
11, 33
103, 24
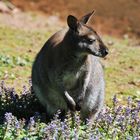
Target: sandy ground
31, 21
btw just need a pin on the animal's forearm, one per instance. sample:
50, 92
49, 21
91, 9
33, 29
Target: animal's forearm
70, 101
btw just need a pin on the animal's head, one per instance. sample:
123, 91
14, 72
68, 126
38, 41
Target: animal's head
86, 39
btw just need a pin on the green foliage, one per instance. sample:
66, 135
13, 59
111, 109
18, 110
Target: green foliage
17, 51
7, 61
22, 118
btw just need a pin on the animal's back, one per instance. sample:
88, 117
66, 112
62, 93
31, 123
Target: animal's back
43, 70
47, 55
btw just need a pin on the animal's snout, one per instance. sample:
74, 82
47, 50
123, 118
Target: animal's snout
105, 51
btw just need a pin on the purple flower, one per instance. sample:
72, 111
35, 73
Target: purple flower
129, 100
115, 101
127, 111
111, 122
32, 121
65, 130
137, 138
24, 92
17, 124
52, 126
9, 117
91, 137
120, 119
12, 94
119, 109
30, 82
109, 118
75, 134
138, 105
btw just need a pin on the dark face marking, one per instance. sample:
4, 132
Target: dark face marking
89, 42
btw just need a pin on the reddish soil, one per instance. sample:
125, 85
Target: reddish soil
113, 17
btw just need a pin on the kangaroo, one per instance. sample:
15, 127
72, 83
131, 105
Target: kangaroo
67, 73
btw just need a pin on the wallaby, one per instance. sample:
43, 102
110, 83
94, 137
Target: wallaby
67, 73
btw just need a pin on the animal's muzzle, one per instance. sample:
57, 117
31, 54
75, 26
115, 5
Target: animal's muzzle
104, 52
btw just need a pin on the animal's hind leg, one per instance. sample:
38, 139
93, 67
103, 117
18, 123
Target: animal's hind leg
91, 106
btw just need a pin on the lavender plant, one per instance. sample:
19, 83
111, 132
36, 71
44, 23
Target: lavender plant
23, 118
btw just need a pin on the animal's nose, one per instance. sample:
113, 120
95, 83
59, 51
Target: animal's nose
105, 51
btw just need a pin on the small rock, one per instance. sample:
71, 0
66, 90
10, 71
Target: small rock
110, 42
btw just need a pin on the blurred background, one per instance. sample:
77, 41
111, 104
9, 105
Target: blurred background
25, 25
114, 17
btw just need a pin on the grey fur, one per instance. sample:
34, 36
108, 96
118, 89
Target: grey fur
67, 73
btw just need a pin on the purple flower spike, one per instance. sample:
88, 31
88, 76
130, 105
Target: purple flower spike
8, 117
17, 124
129, 100
32, 122
127, 111
115, 101
138, 104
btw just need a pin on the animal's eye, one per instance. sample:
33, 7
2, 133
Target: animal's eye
88, 40
91, 40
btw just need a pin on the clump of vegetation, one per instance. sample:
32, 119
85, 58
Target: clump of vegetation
22, 117
6, 60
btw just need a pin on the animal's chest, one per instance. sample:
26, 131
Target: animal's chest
73, 80
70, 79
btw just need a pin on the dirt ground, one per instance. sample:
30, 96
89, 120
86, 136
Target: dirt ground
114, 17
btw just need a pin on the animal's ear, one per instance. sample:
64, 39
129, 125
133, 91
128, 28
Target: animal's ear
87, 17
72, 22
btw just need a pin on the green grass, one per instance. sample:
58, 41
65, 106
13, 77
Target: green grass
122, 69
19, 47
17, 51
